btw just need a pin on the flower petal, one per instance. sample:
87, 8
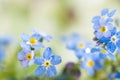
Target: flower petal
104, 11
51, 71
24, 45
40, 71
25, 37
37, 36
47, 53
111, 13
111, 47
39, 61
56, 60
21, 56
39, 45
90, 71
107, 34
25, 63
118, 43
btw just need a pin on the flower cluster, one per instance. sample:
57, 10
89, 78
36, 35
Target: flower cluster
107, 43
84, 51
27, 55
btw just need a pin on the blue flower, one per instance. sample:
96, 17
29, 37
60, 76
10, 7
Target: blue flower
114, 75
104, 53
103, 25
114, 43
105, 16
47, 63
5, 41
32, 42
79, 46
35, 41
26, 57
104, 32
91, 63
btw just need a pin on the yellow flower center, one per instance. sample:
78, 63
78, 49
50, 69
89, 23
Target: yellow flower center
103, 51
81, 45
29, 56
33, 41
90, 63
103, 29
47, 64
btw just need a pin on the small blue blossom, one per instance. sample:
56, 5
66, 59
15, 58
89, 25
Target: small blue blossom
104, 53
91, 63
35, 41
47, 63
114, 43
103, 25
105, 16
114, 76
26, 57
79, 46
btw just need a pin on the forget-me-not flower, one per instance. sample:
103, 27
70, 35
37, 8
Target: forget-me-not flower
91, 63
26, 57
114, 43
47, 63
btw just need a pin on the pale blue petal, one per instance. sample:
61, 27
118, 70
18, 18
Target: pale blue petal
90, 71
39, 61
47, 53
24, 63
25, 37
48, 38
99, 35
95, 19
40, 71
21, 56
39, 45
56, 60
118, 44
111, 13
37, 36
104, 11
24, 45
107, 34
51, 71
118, 34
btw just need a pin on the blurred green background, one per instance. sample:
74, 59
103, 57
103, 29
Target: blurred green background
55, 17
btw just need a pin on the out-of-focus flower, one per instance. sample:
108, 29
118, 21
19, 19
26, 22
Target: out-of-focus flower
75, 43
103, 25
5, 41
105, 16
26, 57
104, 53
47, 63
114, 75
91, 63
114, 43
